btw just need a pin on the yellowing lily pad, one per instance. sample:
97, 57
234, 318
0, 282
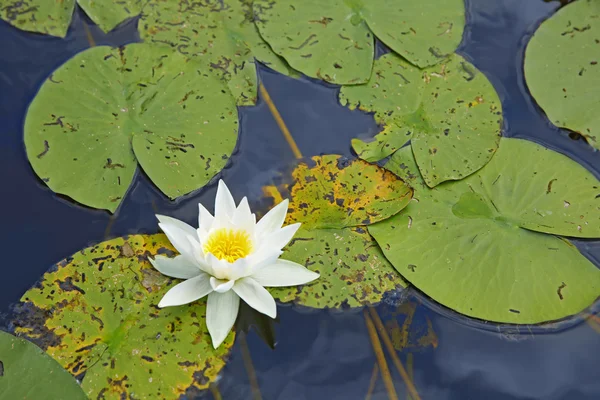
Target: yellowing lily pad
53, 17
335, 199
484, 246
107, 109
26, 372
562, 68
218, 34
333, 40
96, 314
450, 112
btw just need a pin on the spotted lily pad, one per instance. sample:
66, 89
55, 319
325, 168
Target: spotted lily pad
562, 68
219, 34
450, 112
96, 314
26, 372
485, 246
333, 40
53, 17
107, 109
335, 199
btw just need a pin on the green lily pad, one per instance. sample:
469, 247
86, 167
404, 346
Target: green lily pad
423, 32
106, 108
562, 68
333, 40
484, 246
96, 314
450, 112
219, 34
54, 17
26, 372
335, 199
322, 39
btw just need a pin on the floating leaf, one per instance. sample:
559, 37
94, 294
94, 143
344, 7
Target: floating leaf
26, 372
332, 41
451, 113
95, 313
107, 107
562, 68
479, 245
322, 39
54, 17
220, 35
334, 199
423, 32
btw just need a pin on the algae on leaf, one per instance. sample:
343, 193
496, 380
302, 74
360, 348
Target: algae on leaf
26, 372
53, 17
562, 68
484, 246
107, 109
334, 40
450, 112
218, 34
96, 314
335, 199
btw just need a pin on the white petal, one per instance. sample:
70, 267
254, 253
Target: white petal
163, 219
256, 296
221, 312
220, 268
177, 233
205, 219
187, 291
224, 203
179, 267
263, 257
221, 285
273, 220
243, 217
284, 273
279, 238
198, 254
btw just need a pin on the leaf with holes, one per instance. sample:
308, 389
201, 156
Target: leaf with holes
95, 313
450, 112
484, 246
54, 17
334, 199
107, 109
26, 372
334, 40
220, 35
562, 68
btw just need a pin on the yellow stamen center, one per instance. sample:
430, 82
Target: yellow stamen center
228, 244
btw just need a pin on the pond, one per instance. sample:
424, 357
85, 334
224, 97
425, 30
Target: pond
310, 353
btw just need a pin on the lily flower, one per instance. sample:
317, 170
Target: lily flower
230, 256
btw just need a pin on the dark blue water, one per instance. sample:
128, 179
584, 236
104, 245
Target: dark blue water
319, 354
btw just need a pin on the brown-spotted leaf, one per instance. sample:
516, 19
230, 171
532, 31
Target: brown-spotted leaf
334, 192
95, 313
335, 198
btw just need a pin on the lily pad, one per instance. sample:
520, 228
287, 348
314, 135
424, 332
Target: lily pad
334, 199
450, 112
26, 372
96, 314
54, 17
219, 34
333, 40
484, 246
106, 108
562, 68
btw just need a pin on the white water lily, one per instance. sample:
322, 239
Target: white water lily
230, 256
